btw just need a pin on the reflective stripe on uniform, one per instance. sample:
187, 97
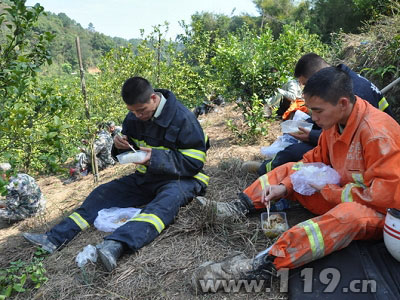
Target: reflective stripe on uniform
268, 166
81, 222
359, 179
297, 166
152, 219
359, 182
194, 153
141, 168
263, 181
315, 238
202, 177
383, 104
346, 193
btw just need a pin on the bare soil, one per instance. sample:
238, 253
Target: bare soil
162, 269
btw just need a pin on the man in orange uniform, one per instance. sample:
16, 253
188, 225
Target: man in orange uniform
363, 145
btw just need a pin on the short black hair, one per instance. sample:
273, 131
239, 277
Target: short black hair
330, 84
136, 90
309, 64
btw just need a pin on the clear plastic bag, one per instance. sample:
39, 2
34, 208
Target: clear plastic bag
281, 143
109, 219
292, 126
131, 157
89, 253
313, 173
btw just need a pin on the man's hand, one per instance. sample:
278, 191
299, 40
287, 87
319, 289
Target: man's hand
146, 160
303, 134
318, 187
272, 193
121, 142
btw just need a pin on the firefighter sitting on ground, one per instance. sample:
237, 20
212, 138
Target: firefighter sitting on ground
362, 144
23, 198
168, 177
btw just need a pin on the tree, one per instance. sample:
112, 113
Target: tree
29, 116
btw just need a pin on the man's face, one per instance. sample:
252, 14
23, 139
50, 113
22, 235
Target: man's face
325, 114
144, 111
302, 80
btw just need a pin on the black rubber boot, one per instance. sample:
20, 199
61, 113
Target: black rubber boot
41, 240
109, 251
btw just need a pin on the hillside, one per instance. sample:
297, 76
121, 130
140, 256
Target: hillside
161, 270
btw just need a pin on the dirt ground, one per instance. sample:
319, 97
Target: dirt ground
162, 269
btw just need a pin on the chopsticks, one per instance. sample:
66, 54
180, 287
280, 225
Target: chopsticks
130, 146
268, 207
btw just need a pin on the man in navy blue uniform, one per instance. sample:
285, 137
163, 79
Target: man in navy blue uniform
306, 66
169, 176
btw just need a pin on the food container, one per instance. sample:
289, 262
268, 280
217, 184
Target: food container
131, 157
292, 126
278, 224
391, 232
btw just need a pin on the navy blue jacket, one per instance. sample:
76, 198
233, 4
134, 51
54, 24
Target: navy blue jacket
177, 140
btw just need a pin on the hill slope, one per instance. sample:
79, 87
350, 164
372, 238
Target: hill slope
162, 269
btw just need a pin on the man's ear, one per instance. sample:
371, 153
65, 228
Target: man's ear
344, 103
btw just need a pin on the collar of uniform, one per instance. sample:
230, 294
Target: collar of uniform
353, 122
169, 109
160, 105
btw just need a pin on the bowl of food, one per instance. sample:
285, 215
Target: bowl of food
131, 157
275, 225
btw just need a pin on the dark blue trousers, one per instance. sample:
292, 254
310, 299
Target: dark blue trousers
162, 199
291, 153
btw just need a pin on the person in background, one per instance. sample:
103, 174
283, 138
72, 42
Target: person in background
114, 130
169, 176
102, 148
23, 197
362, 144
306, 66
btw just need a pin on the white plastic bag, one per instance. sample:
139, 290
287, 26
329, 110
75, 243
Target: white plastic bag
88, 253
281, 143
110, 219
313, 173
300, 116
292, 126
131, 157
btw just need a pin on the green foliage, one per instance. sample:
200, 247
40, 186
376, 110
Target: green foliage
21, 276
256, 124
248, 64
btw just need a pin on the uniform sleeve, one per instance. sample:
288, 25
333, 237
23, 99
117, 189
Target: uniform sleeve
378, 185
314, 136
189, 156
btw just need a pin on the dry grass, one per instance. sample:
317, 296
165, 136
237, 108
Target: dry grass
162, 269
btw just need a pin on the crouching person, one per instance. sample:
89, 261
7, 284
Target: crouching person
169, 176
23, 197
362, 144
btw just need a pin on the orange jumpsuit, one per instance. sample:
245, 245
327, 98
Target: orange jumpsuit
367, 157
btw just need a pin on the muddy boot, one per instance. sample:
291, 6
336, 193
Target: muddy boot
251, 166
41, 240
236, 208
208, 276
109, 251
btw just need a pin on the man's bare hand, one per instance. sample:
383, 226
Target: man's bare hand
272, 193
318, 187
121, 142
146, 160
303, 134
